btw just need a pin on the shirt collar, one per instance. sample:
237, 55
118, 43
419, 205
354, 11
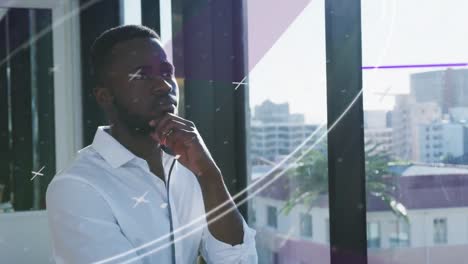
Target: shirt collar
114, 153
110, 149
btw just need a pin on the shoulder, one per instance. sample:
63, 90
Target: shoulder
87, 169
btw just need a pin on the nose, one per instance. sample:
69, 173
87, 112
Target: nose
161, 86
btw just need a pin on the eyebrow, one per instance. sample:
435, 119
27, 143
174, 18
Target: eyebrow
163, 66
142, 67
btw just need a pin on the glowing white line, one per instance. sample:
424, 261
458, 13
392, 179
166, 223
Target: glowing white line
37, 173
134, 75
140, 199
252, 185
240, 83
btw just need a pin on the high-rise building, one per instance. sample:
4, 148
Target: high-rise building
445, 140
448, 88
441, 140
377, 131
375, 119
276, 133
407, 117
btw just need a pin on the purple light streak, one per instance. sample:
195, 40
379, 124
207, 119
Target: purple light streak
463, 64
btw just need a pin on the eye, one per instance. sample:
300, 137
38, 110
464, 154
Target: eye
166, 75
143, 76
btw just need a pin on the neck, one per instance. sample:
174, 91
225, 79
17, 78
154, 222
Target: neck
141, 145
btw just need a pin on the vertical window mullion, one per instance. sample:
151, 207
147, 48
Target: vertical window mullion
346, 137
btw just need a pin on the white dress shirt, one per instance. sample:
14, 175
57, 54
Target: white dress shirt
108, 207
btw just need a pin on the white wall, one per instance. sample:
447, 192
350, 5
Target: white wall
24, 238
421, 226
289, 225
421, 223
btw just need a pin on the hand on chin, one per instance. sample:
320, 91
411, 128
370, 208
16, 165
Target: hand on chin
182, 138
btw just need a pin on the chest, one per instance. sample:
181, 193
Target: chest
148, 220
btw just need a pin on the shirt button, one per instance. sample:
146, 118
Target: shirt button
164, 205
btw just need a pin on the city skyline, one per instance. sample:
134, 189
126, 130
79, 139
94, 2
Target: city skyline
388, 38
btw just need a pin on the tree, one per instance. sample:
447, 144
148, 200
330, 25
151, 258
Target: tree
310, 179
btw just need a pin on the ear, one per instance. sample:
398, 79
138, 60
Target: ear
104, 97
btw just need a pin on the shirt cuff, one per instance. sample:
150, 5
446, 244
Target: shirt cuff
221, 252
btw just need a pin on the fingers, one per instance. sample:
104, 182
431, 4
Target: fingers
184, 121
179, 139
170, 116
167, 128
161, 125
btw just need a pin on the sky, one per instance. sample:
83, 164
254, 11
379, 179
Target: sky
394, 32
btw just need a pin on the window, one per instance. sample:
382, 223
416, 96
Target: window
305, 223
276, 258
399, 235
39, 134
40, 117
293, 172
373, 234
440, 230
272, 217
420, 179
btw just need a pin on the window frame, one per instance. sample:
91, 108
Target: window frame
272, 213
306, 231
346, 159
370, 244
67, 85
438, 239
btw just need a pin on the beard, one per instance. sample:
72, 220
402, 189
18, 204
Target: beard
136, 124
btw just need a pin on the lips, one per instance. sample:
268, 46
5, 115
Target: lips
167, 108
163, 107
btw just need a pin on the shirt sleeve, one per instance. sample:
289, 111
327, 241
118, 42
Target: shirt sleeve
215, 251
82, 225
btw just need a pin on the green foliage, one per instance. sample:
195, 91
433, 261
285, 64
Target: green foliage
310, 179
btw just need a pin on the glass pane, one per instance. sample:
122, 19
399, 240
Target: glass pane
131, 12
27, 132
288, 179
415, 80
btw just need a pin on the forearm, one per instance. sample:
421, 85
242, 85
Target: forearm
228, 228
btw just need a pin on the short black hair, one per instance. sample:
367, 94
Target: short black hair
102, 46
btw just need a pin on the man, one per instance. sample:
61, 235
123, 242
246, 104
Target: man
140, 191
